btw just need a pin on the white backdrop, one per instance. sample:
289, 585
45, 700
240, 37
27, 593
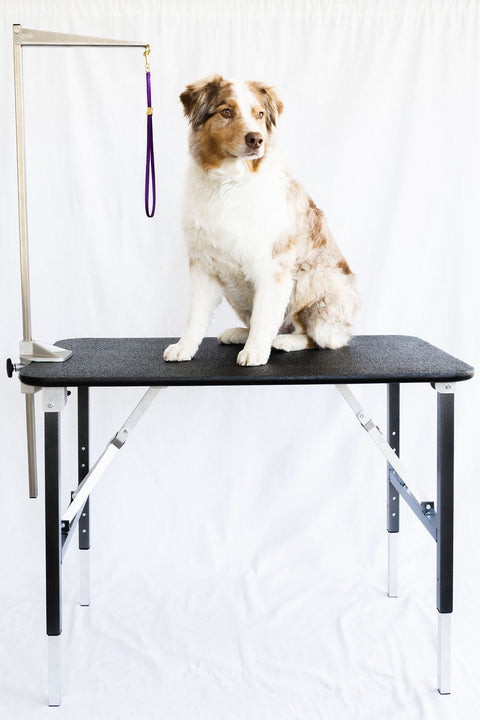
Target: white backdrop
238, 543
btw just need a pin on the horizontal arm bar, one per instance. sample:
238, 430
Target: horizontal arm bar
24, 36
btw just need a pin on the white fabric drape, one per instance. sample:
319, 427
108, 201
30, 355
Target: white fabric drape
239, 544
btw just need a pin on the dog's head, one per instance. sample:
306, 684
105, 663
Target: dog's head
229, 119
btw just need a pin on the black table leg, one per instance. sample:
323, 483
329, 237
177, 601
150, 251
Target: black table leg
53, 547
393, 500
445, 459
83, 468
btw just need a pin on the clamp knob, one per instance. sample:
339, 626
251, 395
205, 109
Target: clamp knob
10, 367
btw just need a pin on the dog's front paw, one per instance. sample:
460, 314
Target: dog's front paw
178, 352
253, 357
234, 336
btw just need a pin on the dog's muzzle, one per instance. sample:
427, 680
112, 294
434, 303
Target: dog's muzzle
253, 140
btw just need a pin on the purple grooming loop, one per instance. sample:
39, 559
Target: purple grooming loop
150, 161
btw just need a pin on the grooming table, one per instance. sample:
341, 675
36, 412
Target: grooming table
139, 362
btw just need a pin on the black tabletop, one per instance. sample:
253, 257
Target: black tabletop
104, 362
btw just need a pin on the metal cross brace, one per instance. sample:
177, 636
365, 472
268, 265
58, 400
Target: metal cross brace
80, 496
397, 472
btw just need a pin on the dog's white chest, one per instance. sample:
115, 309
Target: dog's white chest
233, 221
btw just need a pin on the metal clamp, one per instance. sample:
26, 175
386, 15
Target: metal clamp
444, 388
145, 55
365, 421
428, 508
54, 399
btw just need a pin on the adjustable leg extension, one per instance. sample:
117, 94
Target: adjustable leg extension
54, 670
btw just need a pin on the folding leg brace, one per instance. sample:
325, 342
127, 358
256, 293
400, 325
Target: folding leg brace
59, 530
439, 523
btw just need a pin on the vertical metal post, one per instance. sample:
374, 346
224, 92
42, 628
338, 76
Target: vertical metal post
445, 477
31, 445
393, 499
24, 266
22, 192
83, 468
53, 553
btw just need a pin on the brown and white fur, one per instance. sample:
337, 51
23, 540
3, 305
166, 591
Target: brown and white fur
254, 234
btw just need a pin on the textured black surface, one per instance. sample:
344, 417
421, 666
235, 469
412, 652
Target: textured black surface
139, 361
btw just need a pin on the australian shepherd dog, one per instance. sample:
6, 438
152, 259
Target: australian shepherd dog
253, 233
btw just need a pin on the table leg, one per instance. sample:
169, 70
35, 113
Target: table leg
53, 554
393, 500
83, 468
445, 476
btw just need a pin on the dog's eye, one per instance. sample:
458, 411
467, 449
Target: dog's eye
226, 113
260, 114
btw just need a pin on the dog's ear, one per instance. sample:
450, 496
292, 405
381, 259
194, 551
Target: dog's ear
270, 100
198, 99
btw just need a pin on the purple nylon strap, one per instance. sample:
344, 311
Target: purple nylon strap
150, 163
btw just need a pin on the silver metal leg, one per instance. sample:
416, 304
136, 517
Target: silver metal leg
84, 578
54, 671
444, 653
393, 539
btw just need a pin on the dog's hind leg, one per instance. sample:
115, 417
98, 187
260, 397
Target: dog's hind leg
234, 336
332, 335
293, 341
328, 320
328, 324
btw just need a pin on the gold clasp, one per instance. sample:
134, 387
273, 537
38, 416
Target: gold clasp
145, 55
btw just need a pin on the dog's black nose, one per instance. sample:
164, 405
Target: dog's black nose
253, 140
